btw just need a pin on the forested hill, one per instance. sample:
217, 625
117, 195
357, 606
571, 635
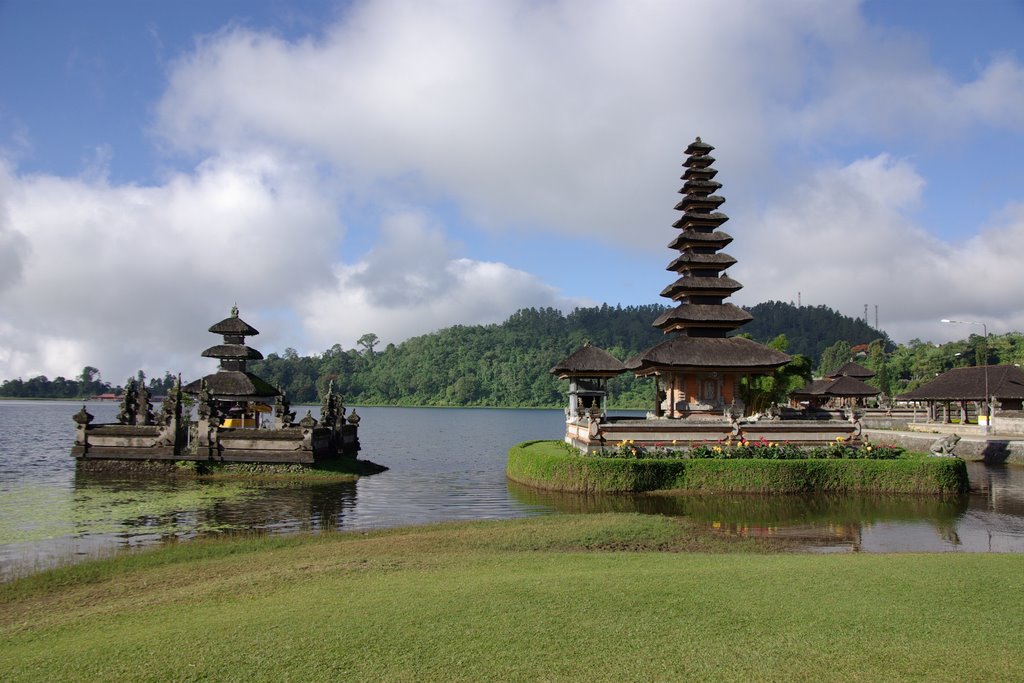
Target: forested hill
508, 364
809, 329
492, 365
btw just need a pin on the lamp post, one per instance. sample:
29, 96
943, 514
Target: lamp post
988, 399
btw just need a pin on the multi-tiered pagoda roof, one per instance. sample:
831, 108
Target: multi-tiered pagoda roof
702, 319
232, 382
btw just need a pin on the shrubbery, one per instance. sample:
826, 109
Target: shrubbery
550, 465
760, 449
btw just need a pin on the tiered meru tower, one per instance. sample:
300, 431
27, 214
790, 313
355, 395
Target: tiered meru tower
697, 371
233, 386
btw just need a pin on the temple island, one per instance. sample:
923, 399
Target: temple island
699, 372
229, 408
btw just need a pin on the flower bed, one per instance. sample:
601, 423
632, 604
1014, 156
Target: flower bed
761, 449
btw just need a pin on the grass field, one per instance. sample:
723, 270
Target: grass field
588, 597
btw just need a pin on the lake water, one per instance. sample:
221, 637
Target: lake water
446, 464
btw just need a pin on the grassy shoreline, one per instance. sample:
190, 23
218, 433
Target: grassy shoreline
587, 597
550, 465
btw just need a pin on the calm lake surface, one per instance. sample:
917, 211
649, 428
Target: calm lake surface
446, 464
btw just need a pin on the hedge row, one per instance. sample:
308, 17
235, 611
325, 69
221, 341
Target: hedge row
553, 465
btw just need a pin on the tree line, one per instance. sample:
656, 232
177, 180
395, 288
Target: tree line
507, 364
86, 385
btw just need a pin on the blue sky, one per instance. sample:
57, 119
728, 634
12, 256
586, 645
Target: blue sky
397, 167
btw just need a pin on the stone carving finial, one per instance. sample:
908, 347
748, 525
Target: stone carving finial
82, 417
234, 311
309, 421
354, 419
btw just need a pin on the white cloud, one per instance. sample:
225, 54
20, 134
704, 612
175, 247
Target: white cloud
551, 117
122, 277
562, 115
411, 284
847, 238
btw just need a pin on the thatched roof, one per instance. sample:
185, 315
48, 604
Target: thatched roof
968, 384
234, 326
704, 220
589, 361
816, 387
234, 384
698, 146
700, 186
703, 313
703, 285
704, 239
852, 369
718, 261
233, 352
711, 201
842, 387
708, 353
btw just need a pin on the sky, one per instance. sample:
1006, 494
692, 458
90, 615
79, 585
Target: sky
397, 167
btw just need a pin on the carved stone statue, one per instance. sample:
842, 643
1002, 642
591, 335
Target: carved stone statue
945, 446
144, 410
129, 404
283, 417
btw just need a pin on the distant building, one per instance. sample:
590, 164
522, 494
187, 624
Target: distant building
969, 390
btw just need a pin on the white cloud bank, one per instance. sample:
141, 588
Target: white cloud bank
122, 277
412, 284
565, 115
844, 239
552, 117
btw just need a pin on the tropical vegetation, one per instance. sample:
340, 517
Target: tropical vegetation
507, 364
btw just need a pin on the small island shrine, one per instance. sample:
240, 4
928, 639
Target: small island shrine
227, 428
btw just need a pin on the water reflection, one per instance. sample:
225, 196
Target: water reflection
829, 521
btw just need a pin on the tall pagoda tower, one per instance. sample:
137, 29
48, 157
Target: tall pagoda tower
696, 372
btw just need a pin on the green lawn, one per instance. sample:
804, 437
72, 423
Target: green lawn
590, 597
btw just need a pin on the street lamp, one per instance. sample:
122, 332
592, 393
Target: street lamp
988, 399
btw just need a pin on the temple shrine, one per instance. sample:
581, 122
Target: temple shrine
700, 372
229, 405
242, 394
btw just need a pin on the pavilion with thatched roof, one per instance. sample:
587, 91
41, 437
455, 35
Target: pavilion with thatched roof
588, 370
843, 388
971, 388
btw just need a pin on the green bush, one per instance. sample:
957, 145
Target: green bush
553, 465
